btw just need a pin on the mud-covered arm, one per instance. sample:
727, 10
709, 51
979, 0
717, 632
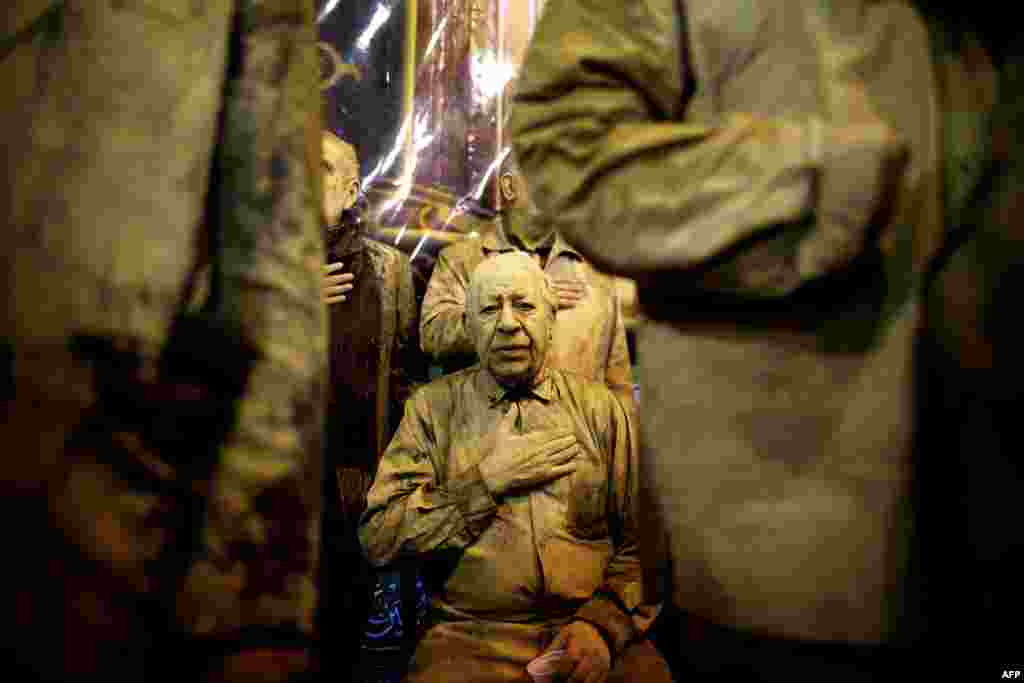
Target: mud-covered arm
442, 325
600, 126
618, 608
409, 366
410, 510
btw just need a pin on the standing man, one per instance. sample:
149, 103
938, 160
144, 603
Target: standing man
516, 483
590, 337
164, 463
374, 363
778, 176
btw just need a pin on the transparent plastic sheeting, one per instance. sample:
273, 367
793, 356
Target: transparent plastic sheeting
417, 87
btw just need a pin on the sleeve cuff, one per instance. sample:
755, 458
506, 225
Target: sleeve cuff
473, 500
615, 625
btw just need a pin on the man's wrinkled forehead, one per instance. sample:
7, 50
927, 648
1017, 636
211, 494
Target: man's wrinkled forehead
507, 275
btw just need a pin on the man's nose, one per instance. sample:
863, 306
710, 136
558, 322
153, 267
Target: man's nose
507, 321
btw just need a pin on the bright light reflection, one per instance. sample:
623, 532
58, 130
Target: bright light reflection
489, 75
438, 32
328, 8
382, 14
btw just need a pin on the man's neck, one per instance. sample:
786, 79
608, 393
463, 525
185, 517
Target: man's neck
526, 233
517, 385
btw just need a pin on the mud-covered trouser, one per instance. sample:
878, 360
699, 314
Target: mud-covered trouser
498, 652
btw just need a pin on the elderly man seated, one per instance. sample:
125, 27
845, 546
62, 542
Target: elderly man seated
517, 484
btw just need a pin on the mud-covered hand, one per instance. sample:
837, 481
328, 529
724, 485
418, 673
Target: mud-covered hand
336, 283
569, 292
517, 461
588, 658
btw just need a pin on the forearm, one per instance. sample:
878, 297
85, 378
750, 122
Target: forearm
643, 186
601, 137
617, 608
425, 518
683, 193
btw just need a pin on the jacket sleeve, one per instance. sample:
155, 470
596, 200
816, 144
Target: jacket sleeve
598, 125
442, 326
619, 369
257, 562
410, 511
618, 608
409, 367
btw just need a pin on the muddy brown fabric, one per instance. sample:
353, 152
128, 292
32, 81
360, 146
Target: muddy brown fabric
375, 362
168, 473
540, 558
590, 338
696, 147
375, 359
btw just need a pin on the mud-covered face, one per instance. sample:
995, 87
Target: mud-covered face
522, 215
510, 319
341, 178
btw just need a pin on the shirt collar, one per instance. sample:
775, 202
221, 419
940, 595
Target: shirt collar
542, 388
498, 240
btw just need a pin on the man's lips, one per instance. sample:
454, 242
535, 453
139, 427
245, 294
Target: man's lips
513, 347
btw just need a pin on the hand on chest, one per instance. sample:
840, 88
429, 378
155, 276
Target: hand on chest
576, 502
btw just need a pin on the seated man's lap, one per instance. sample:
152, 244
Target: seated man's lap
495, 652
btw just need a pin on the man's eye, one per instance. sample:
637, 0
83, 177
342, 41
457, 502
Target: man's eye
524, 306
489, 309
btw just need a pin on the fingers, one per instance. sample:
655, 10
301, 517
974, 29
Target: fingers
559, 471
569, 293
334, 295
331, 290
334, 280
563, 456
557, 441
336, 284
598, 675
335, 267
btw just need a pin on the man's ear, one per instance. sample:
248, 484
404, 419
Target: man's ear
507, 185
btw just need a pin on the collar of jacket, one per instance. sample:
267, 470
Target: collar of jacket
499, 241
542, 388
345, 240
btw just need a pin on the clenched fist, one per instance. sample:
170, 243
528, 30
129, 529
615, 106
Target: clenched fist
588, 659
